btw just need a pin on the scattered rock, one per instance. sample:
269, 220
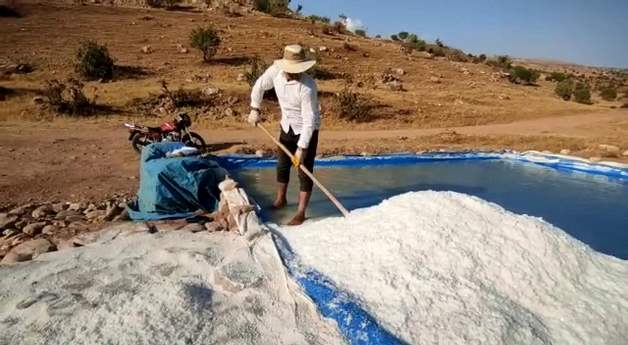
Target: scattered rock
28, 251
395, 85
241, 77
503, 97
595, 159
211, 90
74, 218
214, 226
95, 214
435, 80
49, 229
625, 154
7, 220
76, 206
124, 215
228, 112
609, 150
146, 49
365, 54
399, 71
58, 207
10, 232
38, 100
260, 153
19, 211
112, 212
194, 227
565, 152
33, 228
181, 49
323, 49
67, 213
42, 211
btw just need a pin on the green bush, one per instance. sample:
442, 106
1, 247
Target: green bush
275, 8
352, 106
522, 75
93, 61
482, 57
439, 43
394, 37
500, 61
557, 76
68, 98
564, 89
582, 93
206, 40
316, 18
339, 27
608, 93
360, 32
403, 35
437, 51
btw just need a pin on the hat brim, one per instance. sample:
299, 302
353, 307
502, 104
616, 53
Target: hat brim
295, 67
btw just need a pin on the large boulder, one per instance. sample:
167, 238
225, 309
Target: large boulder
28, 251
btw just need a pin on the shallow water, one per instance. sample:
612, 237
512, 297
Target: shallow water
593, 209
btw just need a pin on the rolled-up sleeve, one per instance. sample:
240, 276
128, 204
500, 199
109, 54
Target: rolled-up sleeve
263, 84
310, 114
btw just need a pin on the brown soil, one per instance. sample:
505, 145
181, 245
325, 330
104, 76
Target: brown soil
45, 157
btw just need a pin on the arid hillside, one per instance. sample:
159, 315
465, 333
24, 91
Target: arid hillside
412, 101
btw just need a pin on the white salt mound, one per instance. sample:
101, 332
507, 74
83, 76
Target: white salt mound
447, 268
166, 288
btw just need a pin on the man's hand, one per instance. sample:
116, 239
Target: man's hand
254, 117
298, 157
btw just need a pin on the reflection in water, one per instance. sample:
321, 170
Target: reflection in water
590, 208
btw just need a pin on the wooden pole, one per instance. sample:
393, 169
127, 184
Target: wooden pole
331, 197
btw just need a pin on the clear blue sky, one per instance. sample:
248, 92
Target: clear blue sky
592, 32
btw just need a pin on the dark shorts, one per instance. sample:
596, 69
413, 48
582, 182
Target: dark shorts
284, 164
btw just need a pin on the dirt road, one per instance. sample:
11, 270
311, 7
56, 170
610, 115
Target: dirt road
56, 161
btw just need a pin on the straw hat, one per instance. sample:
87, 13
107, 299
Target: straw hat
294, 60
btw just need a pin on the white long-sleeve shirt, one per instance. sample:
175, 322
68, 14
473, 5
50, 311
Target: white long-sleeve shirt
298, 100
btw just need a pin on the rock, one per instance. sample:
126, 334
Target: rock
595, 159
38, 100
146, 49
435, 80
33, 228
228, 112
399, 71
20, 223
95, 214
211, 90
241, 77
232, 100
260, 153
67, 213
625, 154
181, 49
28, 251
19, 211
124, 215
565, 152
7, 220
41, 211
76, 206
112, 212
503, 97
395, 85
214, 226
9, 232
609, 149
365, 54
58, 207
323, 49
74, 218
49, 230
194, 227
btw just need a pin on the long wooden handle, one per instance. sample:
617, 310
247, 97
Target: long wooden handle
331, 197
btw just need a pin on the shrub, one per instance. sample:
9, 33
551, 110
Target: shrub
348, 47
582, 93
167, 4
437, 51
206, 40
500, 61
93, 61
339, 27
257, 68
316, 18
412, 38
608, 93
564, 89
351, 106
8, 11
403, 35
420, 45
68, 98
522, 75
360, 32
557, 76
482, 57
327, 29
273, 7
394, 37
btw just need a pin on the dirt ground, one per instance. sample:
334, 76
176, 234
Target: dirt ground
44, 157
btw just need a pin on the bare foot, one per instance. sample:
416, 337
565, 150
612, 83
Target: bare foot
298, 219
279, 204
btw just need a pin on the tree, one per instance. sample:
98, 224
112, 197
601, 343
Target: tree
440, 43
403, 35
608, 93
394, 37
93, 61
206, 40
582, 93
412, 38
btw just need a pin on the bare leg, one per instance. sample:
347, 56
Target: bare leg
280, 199
304, 200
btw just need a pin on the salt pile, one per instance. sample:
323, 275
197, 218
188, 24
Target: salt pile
447, 268
165, 288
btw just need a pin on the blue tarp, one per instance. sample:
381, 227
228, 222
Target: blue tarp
173, 188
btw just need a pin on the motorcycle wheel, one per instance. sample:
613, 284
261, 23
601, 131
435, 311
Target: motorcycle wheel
193, 140
139, 141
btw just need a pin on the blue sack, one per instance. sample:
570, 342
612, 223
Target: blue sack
173, 188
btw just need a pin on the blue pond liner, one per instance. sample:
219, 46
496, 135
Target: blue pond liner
354, 322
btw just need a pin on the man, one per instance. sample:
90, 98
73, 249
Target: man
300, 121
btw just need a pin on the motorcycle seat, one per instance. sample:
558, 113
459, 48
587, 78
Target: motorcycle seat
154, 129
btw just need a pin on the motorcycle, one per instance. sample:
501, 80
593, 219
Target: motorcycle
176, 130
